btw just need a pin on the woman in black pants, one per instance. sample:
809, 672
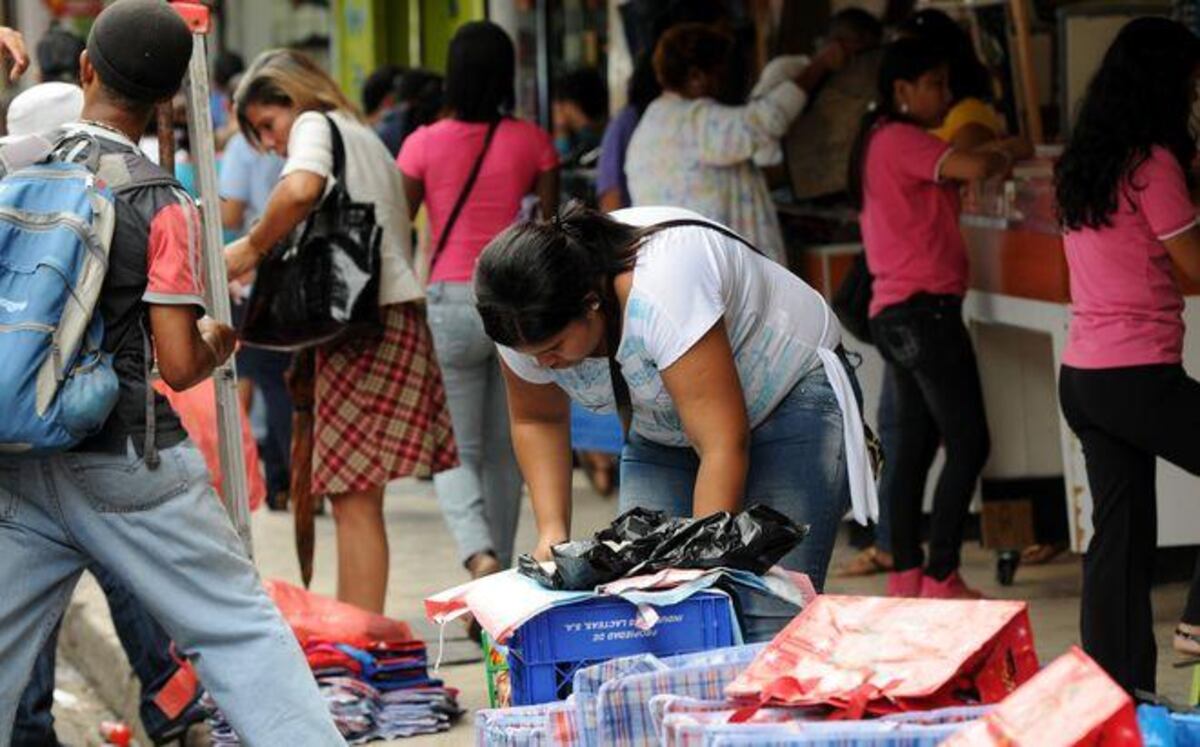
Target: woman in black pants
908, 183
1123, 194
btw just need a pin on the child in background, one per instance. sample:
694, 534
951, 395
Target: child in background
907, 183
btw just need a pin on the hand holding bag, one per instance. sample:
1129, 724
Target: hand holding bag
323, 288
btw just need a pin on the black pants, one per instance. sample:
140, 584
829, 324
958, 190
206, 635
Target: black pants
931, 394
1125, 418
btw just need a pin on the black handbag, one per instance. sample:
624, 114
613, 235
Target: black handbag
323, 288
852, 300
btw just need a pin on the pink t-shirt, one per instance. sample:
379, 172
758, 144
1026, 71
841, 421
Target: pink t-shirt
1126, 307
441, 156
910, 218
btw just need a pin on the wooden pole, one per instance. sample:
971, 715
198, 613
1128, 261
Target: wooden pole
1029, 88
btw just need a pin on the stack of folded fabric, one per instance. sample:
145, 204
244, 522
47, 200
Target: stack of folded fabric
373, 674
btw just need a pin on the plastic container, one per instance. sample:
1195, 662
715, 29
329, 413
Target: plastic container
545, 652
495, 665
593, 432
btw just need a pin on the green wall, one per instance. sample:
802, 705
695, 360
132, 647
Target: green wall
369, 33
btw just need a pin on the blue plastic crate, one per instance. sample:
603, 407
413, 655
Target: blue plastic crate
545, 652
593, 432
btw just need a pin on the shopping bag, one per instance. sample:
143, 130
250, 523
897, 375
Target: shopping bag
870, 655
197, 411
313, 617
1071, 703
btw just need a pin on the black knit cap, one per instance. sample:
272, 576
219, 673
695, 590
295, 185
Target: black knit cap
140, 49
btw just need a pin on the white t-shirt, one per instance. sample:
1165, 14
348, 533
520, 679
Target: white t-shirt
685, 280
371, 176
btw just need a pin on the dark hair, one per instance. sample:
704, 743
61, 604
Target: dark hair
226, 66
480, 73
535, 278
586, 88
58, 55
968, 77
904, 59
643, 83
1140, 97
690, 46
858, 23
422, 91
384, 81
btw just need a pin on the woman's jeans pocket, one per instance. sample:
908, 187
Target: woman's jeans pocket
124, 483
10, 488
919, 335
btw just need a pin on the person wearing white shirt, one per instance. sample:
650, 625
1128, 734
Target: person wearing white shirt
727, 368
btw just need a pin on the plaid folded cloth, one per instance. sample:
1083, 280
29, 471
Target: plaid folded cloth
829, 734
542, 725
619, 708
682, 721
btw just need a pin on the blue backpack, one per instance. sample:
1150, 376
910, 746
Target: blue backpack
56, 227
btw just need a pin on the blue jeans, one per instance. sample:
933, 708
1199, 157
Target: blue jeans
797, 466
149, 650
481, 499
164, 534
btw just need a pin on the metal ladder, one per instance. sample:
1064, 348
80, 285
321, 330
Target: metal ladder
204, 157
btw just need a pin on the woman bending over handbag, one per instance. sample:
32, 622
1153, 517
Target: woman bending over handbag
380, 409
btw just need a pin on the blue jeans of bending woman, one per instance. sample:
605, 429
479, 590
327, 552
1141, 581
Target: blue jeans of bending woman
797, 467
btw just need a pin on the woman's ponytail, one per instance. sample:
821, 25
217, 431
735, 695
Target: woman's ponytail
905, 59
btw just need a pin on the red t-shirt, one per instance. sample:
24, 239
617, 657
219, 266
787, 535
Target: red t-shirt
441, 156
910, 217
1126, 306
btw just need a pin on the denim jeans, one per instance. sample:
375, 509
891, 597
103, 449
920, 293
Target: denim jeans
932, 395
149, 650
797, 467
481, 499
164, 534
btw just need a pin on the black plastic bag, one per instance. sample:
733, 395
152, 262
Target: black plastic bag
642, 541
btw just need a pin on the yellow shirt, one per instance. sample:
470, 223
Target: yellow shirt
969, 111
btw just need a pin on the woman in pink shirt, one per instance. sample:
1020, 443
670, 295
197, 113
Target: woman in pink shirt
472, 170
1123, 195
907, 182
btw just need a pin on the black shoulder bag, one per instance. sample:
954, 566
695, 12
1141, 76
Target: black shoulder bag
323, 288
852, 300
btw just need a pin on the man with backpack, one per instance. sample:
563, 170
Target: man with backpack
131, 494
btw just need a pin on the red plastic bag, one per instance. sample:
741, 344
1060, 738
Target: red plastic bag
317, 618
1071, 703
197, 411
874, 655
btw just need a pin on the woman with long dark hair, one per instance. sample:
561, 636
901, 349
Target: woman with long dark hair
472, 169
971, 120
1123, 194
907, 183
727, 368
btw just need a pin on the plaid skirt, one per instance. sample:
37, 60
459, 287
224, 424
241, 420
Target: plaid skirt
381, 408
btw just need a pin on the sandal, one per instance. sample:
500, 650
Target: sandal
1187, 645
870, 562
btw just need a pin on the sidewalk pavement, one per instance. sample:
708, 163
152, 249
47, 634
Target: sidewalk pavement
424, 562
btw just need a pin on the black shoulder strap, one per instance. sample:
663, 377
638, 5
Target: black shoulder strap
339, 150
462, 196
705, 224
